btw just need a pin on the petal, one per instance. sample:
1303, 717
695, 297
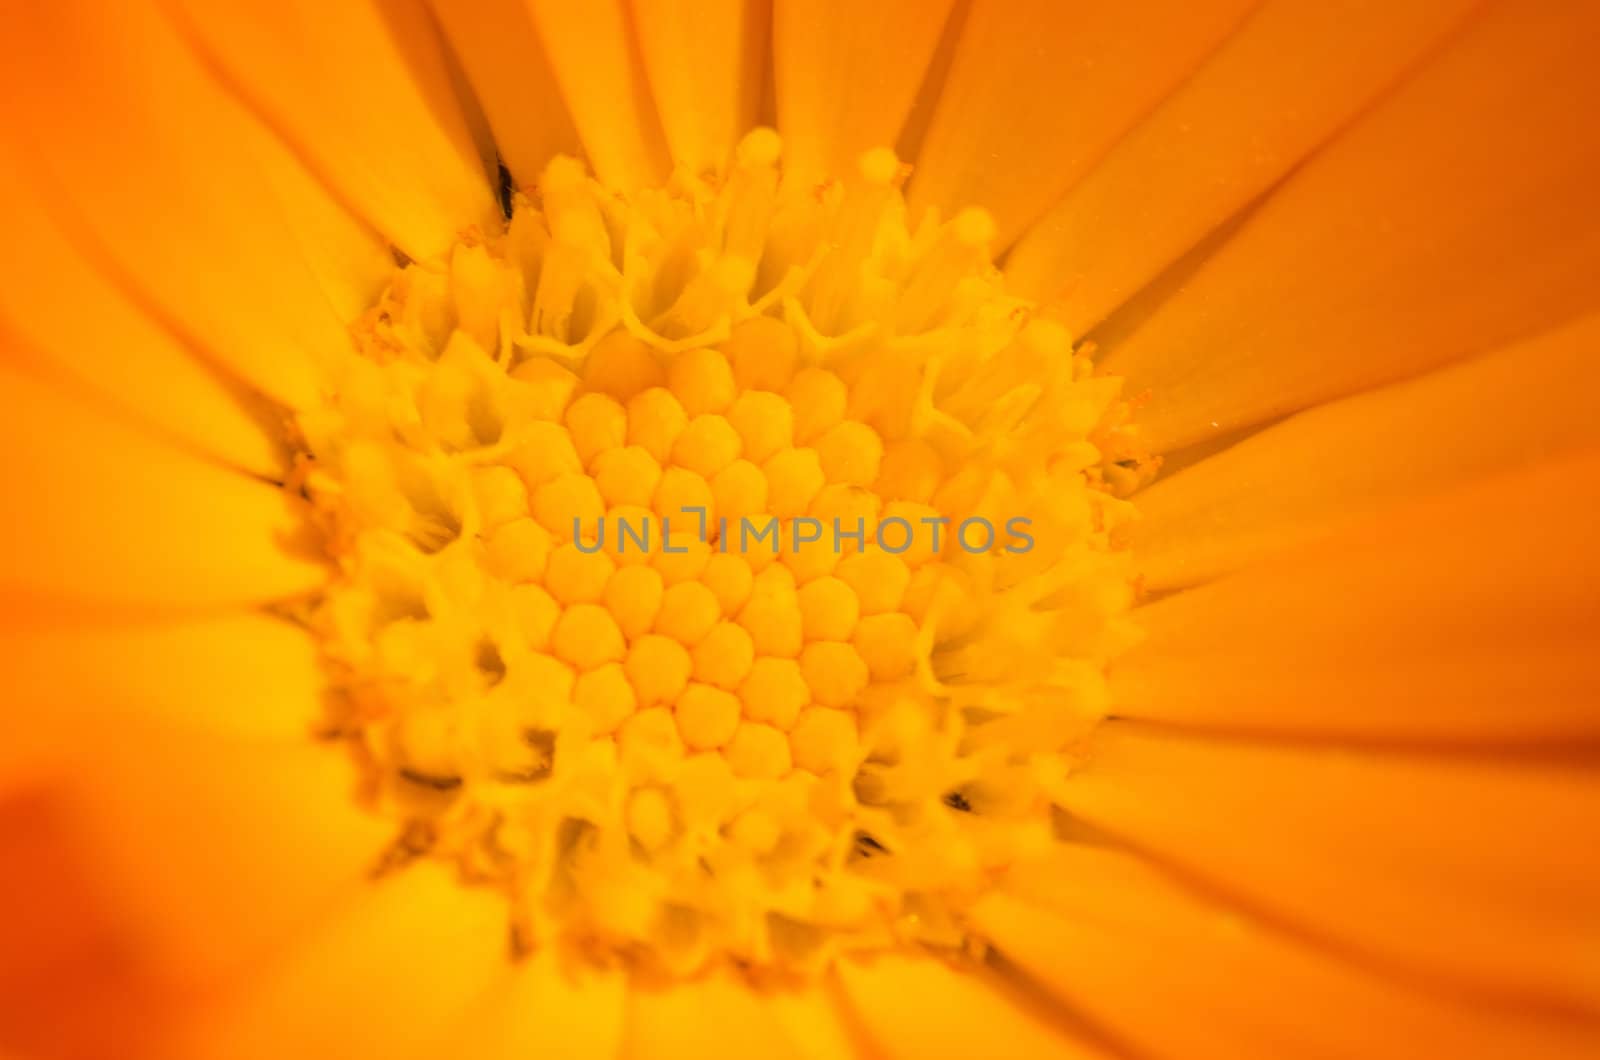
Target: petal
1472, 872
1324, 467
1038, 90
813, 1023
361, 89
1456, 216
212, 850
249, 676
1463, 619
1115, 940
85, 333
105, 513
919, 1008
1291, 77
706, 62
193, 222
549, 1006
846, 76
596, 61
512, 79
403, 962
669, 1021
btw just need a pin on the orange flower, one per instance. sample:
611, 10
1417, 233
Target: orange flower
1252, 342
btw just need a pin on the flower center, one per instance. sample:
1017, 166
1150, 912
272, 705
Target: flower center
725, 571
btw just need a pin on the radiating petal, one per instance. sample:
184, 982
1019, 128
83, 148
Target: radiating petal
1119, 942
544, 1008
596, 61
102, 512
919, 1008
85, 333
718, 1015
1318, 470
246, 675
362, 90
1295, 73
405, 960
814, 1024
1038, 90
1456, 216
512, 79
193, 221
1475, 873
706, 60
1465, 619
846, 76
213, 851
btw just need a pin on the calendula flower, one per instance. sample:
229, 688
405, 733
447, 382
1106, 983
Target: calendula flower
939, 528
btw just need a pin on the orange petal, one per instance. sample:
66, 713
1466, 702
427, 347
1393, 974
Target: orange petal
1324, 467
85, 333
1456, 216
1467, 618
101, 512
362, 91
919, 1008
1117, 941
597, 64
1291, 77
706, 61
213, 851
544, 1008
1471, 872
846, 76
670, 1021
193, 221
512, 79
1038, 90
249, 676
384, 978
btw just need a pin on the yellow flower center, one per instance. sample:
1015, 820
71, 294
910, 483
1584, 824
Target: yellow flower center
725, 570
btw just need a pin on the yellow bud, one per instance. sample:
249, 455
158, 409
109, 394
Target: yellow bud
758, 751
724, 656
824, 740
587, 636
828, 609
701, 380
775, 691
707, 716
659, 668
633, 596
688, 611
834, 672
577, 577
605, 696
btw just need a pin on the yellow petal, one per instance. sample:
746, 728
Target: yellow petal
409, 956
549, 1006
213, 851
361, 89
1326, 466
813, 1023
85, 333
706, 64
919, 1008
718, 1015
1471, 872
512, 79
596, 61
1456, 216
846, 76
1039, 90
1291, 77
191, 222
1117, 941
1467, 618
249, 676
104, 513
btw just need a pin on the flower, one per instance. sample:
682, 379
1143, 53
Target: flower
341, 338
